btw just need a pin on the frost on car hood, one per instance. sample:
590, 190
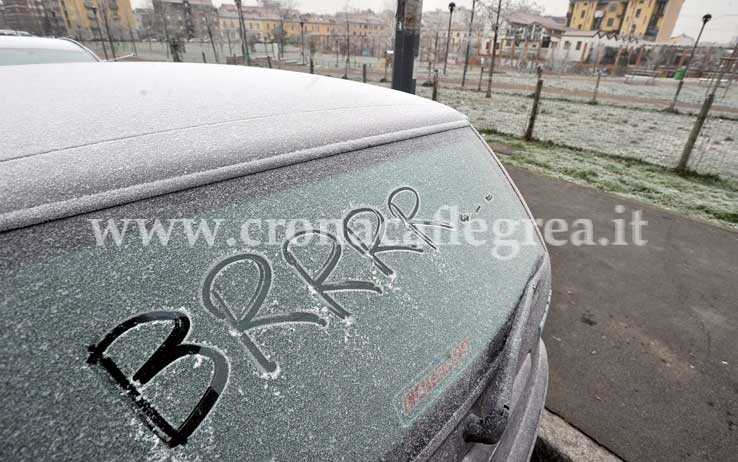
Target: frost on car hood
355, 374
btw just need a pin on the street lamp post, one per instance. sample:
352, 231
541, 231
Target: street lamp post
494, 51
468, 43
705, 19
451, 7
242, 29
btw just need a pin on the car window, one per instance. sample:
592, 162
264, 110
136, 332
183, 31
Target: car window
16, 56
293, 353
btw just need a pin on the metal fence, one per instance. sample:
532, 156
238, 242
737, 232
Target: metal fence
618, 115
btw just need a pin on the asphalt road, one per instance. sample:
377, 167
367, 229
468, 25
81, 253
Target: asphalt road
643, 341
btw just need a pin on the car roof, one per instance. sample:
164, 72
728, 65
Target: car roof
81, 137
22, 41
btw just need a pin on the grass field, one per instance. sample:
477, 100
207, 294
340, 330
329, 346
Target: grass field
704, 197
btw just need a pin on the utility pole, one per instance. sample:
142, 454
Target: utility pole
166, 30
705, 19
494, 51
210, 34
107, 28
133, 41
468, 43
242, 29
348, 46
407, 41
302, 39
99, 28
451, 7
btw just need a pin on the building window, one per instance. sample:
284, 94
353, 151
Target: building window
610, 22
632, 29
613, 7
567, 45
638, 13
579, 45
584, 12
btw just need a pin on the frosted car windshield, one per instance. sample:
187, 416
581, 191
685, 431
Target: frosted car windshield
344, 347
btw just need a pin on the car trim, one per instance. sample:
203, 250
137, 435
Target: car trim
50, 211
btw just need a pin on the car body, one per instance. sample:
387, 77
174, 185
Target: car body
21, 49
323, 349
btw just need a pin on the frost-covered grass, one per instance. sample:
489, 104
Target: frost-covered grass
706, 197
653, 136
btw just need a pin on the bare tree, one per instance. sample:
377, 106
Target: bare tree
285, 10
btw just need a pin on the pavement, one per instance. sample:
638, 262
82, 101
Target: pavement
642, 341
558, 441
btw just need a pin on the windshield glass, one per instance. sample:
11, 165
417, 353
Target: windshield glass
16, 56
298, 350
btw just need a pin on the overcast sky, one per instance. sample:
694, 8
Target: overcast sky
723, 28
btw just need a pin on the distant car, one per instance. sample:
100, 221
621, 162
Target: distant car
382, 331
15, 32
16, 50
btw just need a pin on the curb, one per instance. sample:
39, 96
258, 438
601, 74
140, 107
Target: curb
558, 441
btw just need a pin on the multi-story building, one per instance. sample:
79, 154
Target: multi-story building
318, 30
265, 22
145, 23
38, 17
184, 19
96, 19
647, 19
526, 38
368, 33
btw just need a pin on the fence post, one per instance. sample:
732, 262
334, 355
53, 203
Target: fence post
534, 110
435, 85
597, 87
203, 57
363, 72
269, 61
312, 66
696, 129
481, 76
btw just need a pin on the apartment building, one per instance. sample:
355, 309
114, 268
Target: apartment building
93, 19
38, 17
646, 19
184, 19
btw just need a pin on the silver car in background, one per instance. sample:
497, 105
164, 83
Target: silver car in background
24, 49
